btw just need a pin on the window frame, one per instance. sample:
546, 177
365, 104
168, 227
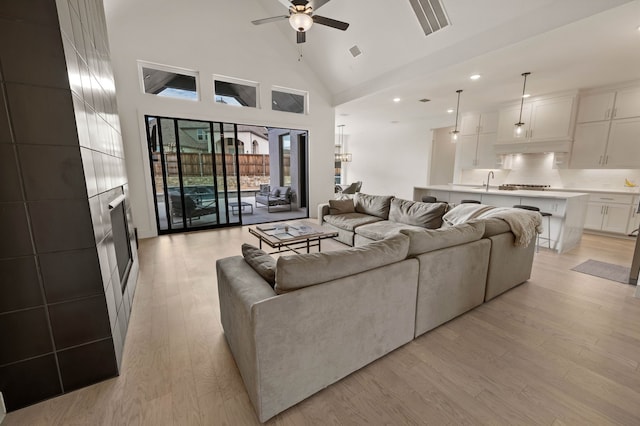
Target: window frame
172, 69
303, 93
239, 81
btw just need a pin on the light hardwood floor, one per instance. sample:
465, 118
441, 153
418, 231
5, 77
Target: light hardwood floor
563, 348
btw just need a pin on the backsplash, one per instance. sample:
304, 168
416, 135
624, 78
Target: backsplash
538, 169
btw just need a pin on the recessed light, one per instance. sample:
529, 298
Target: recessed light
526, 95
450, 110
396, 99
475, 76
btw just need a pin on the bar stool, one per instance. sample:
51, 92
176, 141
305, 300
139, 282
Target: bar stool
429, 199
470, 202
543, 214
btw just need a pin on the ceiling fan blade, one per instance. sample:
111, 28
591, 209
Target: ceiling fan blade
268, 20
330, 22
301, 37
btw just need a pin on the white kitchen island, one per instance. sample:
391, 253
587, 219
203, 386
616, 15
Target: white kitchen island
568, 209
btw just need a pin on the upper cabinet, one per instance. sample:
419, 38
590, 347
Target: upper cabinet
608, 131
609, 105
544, 120
475, 145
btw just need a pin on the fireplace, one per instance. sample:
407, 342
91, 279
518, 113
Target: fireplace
121, 239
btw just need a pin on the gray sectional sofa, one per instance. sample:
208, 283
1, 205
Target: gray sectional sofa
330, 314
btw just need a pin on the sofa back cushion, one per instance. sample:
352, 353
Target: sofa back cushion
261, 262
374, 205
426, 240
341, 206
425, 215
494, 226
304, 270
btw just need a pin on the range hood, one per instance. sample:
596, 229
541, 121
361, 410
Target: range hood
532, 147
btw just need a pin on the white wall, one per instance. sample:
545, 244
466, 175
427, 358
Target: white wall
211, 37
388, 158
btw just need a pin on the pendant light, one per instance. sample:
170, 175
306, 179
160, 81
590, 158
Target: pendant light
455, 132
342, 157
518, 130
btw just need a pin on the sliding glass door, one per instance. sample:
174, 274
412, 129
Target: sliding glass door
194, 172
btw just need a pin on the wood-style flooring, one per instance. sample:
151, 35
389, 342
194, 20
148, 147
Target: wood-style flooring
562, 349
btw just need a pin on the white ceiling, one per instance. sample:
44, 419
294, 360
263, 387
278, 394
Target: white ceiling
565, 44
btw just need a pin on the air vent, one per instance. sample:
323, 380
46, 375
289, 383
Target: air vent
355, 51
424, 100
431, 15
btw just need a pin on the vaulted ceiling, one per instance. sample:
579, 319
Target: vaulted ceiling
565, 44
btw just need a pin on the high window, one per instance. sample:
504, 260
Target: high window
288, 100
232, 91
169, 82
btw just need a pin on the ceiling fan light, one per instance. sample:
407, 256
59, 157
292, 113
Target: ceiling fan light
300, 21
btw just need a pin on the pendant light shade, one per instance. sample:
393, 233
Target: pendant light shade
518, 130
456, 132
300, 21
342, 157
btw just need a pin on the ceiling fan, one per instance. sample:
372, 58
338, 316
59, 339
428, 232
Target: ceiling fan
301, 17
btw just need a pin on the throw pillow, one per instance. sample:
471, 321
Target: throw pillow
275, 192
341, 206
373, 205
261, 262
425, 215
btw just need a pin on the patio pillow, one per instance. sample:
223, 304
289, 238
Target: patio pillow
261, 262
341, 206
275, 192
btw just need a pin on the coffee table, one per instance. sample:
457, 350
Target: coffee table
291, 236
237, 207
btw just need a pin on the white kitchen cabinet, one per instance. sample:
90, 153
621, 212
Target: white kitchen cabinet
611, 144
608, 212
634, 218
544, 120
595, 107
607, 217
475, 145
627, 103
497, 200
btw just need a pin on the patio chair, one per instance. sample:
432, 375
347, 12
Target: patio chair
192, 210
278, 196
349, 191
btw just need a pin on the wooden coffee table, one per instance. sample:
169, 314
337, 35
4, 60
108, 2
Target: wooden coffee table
291, 236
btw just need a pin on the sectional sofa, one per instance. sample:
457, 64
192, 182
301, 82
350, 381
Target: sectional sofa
297, 324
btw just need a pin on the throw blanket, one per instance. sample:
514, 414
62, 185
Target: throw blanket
523, 223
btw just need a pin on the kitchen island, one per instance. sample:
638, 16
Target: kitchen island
568, 209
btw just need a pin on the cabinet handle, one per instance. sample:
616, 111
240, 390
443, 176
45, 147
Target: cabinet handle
531, 134
600, 161
615, 112
606, 198
607, 114
606, 159
601, 209
606, 209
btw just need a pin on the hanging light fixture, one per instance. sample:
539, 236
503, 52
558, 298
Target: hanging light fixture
518, 130
455, 132
342, 157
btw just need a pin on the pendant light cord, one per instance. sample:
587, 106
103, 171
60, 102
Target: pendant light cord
458, 109
524, 88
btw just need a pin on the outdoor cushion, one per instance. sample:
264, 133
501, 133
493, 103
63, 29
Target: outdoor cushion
382, 229
349, 221
303, 270
375, 205
426, 215
275, 192
426, 240
261, 262
341, 206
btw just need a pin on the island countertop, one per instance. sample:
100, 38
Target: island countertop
495, 191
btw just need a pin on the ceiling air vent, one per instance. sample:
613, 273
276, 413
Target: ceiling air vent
355, 51
431, 15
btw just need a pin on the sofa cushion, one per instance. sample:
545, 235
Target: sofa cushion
341, 206
426, 215
261, 262
494, 226
303, 270
374, 205
382, 229
349, 221
426, 240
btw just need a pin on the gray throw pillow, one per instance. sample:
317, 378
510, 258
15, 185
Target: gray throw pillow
261, 262
275, 192
426, 215
373, 205
341, 206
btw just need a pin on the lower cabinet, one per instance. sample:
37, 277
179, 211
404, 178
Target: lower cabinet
607, 217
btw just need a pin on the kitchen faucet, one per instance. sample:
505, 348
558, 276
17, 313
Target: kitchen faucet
490, 175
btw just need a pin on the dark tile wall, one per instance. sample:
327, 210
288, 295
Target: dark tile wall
63, 314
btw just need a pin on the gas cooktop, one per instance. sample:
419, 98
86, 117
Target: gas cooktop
514, 186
